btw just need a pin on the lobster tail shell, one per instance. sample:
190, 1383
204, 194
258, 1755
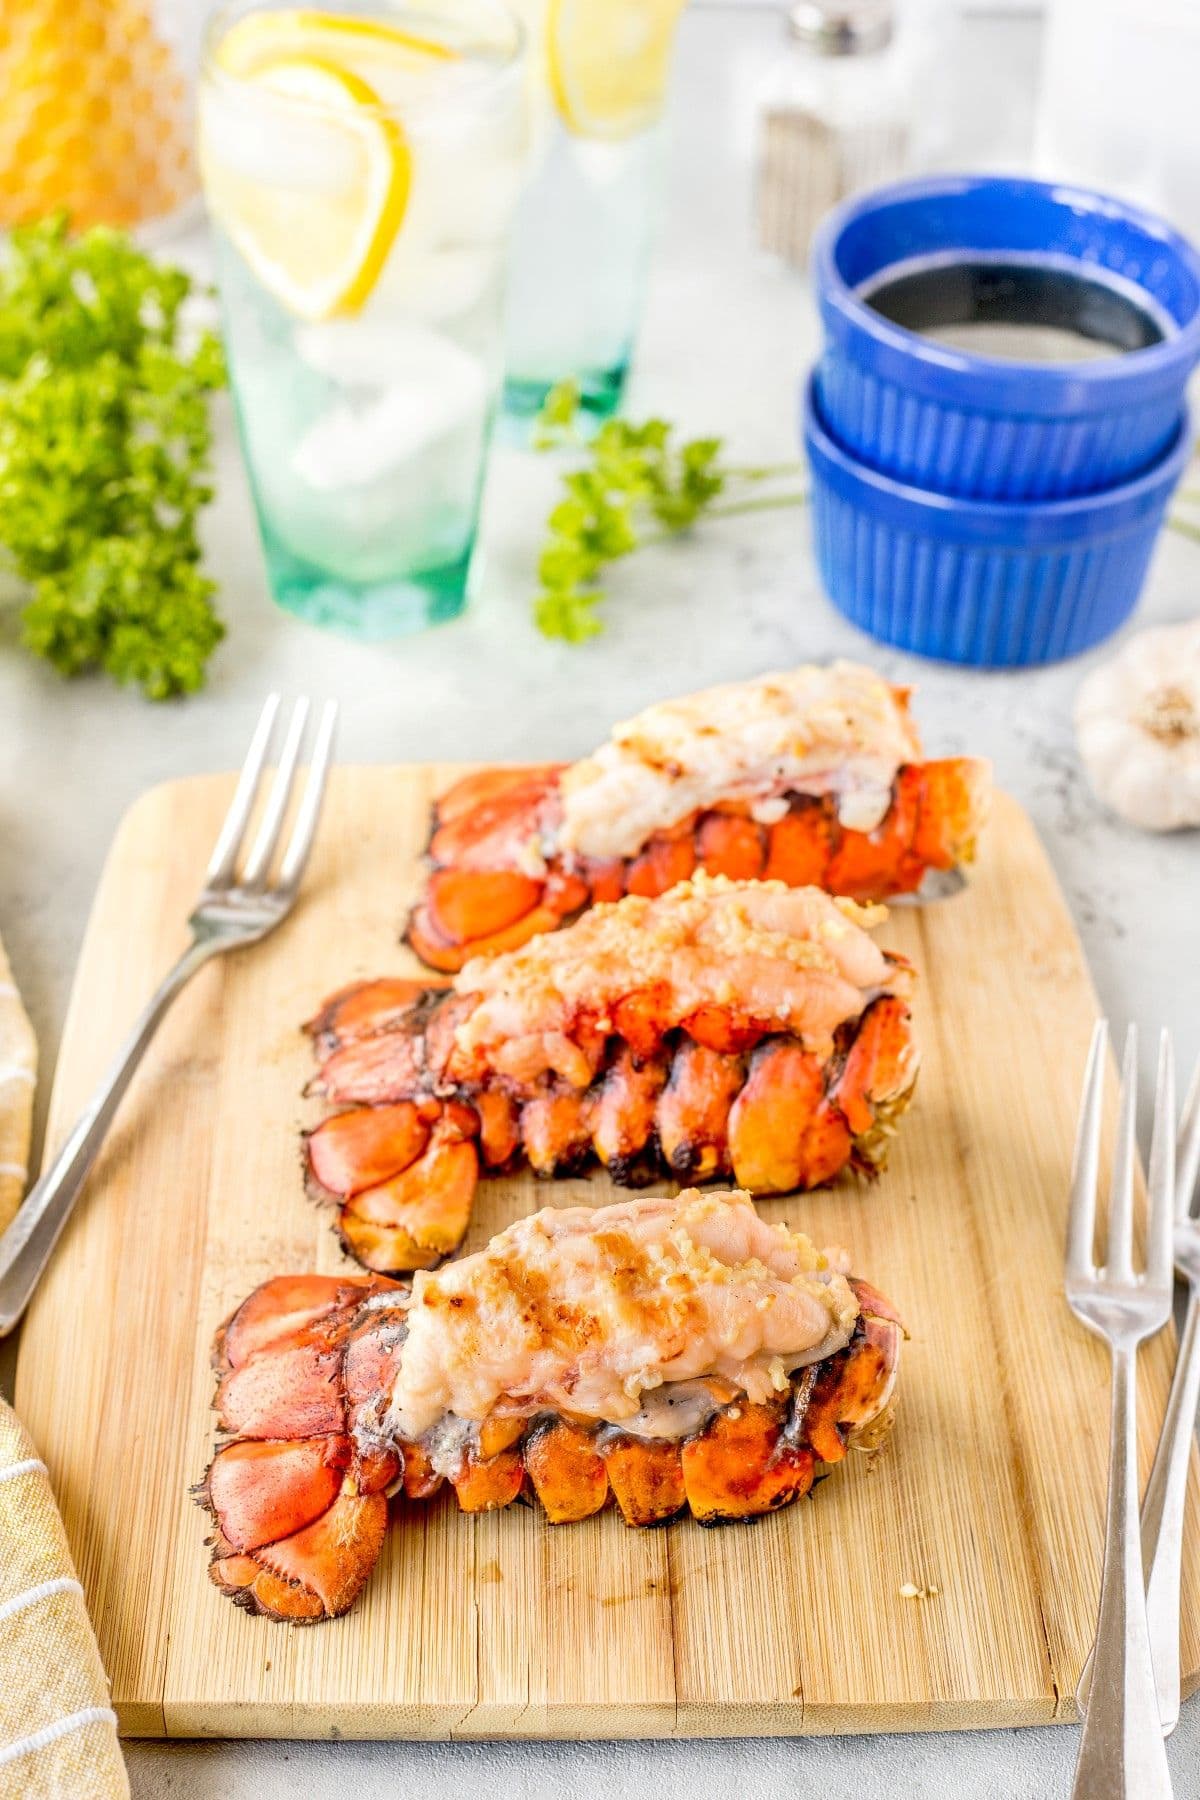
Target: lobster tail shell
299, 1510
773, 1116
299, 1496
721, 1095
487, 831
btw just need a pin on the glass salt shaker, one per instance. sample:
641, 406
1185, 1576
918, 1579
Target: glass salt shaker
835, 117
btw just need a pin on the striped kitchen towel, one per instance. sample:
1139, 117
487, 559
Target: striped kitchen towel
58, 1732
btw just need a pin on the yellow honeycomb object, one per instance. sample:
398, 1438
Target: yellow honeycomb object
96, 114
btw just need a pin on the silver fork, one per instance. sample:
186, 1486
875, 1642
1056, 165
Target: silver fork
1122, 1755
1166, 1491
232, 910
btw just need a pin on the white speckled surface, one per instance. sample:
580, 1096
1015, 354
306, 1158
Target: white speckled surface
725, 339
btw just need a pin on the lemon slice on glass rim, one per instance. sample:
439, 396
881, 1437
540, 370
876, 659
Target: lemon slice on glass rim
266, 37
608, 62
318, 246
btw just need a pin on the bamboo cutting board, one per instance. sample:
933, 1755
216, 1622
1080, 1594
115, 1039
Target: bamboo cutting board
949, 1580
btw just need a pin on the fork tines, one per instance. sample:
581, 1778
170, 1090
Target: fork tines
1081, 1230
222, 873
1187, 1153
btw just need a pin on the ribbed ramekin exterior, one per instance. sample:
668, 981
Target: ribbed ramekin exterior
975, 604
985, 456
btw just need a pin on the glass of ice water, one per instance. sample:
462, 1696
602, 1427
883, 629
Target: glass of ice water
581, 244
361, 165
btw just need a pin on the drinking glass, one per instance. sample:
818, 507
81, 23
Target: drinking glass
361, 166
583, 233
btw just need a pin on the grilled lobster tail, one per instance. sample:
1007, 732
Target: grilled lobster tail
308, 1367
744, 1049
814, 779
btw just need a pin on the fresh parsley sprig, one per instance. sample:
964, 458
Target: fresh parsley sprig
105, 443
639, 486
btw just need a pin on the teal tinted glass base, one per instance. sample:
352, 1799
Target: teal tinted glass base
371, 611
600, 392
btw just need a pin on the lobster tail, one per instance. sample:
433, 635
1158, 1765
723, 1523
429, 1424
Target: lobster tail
307, 1376
813, 778
669, 1072
933, 823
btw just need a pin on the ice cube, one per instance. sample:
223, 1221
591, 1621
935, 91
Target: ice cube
601, 164
425, 388
278, 145
386, 350
436, 284
353, 352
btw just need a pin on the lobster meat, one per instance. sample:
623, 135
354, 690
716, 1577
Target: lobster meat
675, 1355
740, 1029
811, 777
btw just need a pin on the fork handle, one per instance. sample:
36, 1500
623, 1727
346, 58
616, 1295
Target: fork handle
27, 1245
1162, 1522
1122, 1755
1162, 1515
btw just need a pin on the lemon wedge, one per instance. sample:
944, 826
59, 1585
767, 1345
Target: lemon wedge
317, 245
609, 61
317, 219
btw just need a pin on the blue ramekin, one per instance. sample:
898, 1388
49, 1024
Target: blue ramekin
976, 425
992, 583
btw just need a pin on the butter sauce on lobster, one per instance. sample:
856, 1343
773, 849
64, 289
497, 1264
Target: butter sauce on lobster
741, 1029
813, 777
675, 1355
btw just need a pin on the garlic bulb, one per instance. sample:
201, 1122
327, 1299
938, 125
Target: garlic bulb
1137, 721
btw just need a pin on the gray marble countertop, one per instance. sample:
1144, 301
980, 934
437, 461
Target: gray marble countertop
726, 338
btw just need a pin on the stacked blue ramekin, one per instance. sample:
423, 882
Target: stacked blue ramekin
981, 510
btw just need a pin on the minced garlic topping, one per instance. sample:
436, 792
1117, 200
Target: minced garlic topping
839, 730
793, 956
586, 1310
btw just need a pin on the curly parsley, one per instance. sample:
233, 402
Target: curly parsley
104, 451
638, 475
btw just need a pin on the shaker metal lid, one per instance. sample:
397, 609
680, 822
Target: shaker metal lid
842, 27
